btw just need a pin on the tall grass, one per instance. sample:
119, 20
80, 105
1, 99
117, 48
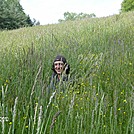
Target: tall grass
99, 95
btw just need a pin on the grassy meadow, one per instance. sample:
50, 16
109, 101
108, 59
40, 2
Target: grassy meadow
98, 98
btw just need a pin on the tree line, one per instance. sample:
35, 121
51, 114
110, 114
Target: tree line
12, 15
74, 16
126, 5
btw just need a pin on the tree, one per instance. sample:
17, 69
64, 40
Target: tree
35, 22
12, 15
127, 5
74, 16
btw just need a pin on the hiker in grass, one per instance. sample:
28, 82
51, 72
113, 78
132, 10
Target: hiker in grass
60, 71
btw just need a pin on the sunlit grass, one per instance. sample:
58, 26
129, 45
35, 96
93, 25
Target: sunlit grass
99, 95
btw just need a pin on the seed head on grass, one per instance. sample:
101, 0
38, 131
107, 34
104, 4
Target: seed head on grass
54, 119
50, 99
39, 120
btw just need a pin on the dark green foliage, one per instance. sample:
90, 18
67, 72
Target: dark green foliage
12, 15
127, 5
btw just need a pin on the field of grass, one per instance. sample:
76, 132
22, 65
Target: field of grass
98, 98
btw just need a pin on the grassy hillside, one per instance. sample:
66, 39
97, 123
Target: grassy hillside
99, 98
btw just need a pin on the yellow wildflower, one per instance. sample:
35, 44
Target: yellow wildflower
24, 117
130, 64
119, 109
125, 101
93, 86
10, 123
120, 123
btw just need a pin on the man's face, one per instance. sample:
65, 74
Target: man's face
58, 66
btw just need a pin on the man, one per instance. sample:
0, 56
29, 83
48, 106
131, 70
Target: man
60, 70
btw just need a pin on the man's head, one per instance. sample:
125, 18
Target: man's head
59, 64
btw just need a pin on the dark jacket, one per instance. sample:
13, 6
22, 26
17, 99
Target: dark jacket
55, 81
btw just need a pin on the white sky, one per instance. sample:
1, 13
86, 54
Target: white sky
50, 11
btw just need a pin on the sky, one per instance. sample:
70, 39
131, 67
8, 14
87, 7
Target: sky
50, 11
